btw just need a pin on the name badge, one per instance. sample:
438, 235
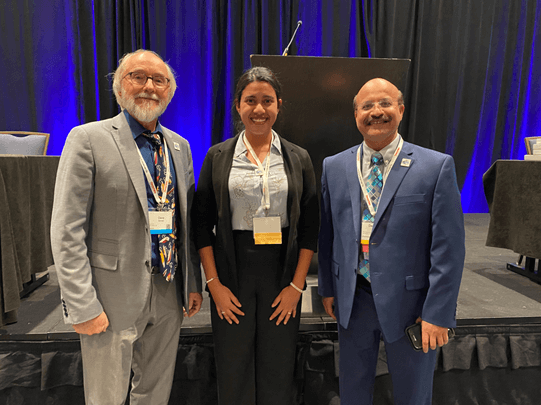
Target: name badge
160, 222
268, 231
366, 231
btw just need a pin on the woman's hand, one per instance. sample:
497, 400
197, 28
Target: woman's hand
227, 305
286, 302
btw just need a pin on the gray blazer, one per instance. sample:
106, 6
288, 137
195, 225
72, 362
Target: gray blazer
100, 229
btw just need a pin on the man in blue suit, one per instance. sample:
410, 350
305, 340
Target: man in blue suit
391, 250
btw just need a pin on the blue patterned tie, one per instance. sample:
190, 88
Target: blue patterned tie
374, 187
166, 242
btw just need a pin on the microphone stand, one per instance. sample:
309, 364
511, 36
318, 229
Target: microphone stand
299, 23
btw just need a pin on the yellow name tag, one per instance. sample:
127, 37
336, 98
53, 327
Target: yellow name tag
267, 231
270, 238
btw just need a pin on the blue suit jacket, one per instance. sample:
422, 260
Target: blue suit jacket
417, 243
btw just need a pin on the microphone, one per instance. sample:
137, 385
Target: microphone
299, 23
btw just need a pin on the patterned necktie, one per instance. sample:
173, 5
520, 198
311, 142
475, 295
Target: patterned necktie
374, 187
166, 242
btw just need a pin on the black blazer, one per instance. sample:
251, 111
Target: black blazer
211, 209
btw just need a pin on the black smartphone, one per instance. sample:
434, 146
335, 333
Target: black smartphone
413, 332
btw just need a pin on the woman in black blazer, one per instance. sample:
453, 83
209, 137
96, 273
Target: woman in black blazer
256, 288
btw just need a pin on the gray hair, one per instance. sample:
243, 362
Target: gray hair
118, 75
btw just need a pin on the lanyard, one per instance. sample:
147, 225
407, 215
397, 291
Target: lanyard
160, 201
371, 207
265, 198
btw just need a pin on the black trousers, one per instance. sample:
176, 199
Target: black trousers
255, 360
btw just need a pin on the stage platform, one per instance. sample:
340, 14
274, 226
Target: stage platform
498, 339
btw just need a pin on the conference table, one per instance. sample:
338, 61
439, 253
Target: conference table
513, 192
26, 200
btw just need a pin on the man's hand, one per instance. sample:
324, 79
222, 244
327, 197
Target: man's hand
94, 326
433, 335
194, 302
328, 305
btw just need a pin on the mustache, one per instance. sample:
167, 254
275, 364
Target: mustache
147, 95
384, 118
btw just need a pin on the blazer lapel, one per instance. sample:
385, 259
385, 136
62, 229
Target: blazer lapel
128, 150
398, 171
354, 190
181, 195
179, 170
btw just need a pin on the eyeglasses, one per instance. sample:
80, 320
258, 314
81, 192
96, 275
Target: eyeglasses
140, 79
384, 103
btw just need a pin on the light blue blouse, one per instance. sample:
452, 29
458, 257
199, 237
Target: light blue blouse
246, 187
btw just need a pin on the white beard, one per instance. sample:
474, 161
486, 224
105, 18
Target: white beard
144, 112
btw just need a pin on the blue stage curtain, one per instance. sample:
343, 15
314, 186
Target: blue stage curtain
474, 86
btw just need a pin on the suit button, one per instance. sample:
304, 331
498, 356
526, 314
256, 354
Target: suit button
147, 263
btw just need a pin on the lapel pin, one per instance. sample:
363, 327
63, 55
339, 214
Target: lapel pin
405, 162
176, 145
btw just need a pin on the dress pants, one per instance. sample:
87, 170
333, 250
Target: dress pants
412, 372
148, 348
255, 360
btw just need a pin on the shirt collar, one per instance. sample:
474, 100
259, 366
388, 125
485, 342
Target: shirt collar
241, 149
387, 152
136, 128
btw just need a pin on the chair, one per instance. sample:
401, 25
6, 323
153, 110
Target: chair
530, 141
23, 143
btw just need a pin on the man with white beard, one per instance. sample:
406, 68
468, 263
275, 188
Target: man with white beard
122, 239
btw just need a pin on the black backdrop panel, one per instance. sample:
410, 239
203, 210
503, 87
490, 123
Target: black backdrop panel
317, 96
